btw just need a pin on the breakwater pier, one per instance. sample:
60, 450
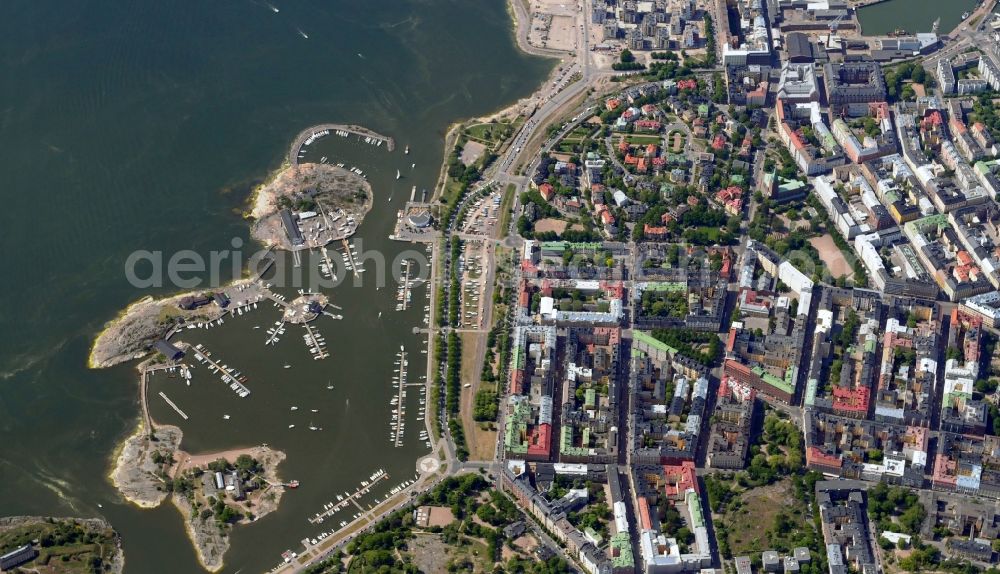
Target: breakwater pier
309, 135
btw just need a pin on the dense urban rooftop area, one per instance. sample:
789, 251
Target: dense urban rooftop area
748, 295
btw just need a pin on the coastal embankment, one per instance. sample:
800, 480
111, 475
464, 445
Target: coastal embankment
309, 135
149, 465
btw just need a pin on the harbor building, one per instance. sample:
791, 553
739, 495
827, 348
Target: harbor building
291, 227
17, 557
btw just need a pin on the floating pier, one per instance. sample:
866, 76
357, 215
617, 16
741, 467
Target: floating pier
274, 332
403, 293
398, 424
175, 407
316, 344
228, 375
331, 508
349, 260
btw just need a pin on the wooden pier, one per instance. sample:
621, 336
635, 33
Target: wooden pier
403, 295
329, 264
350, 258
400, 400
278, 330
175, 407
202, 354
320, 353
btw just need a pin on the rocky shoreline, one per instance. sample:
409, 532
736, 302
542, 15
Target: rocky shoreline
136, 476
130, 335
209, 539
308, 187
151, 467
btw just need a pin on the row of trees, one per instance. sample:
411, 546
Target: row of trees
689, 343
895, 508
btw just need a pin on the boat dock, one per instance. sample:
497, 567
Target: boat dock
403, 293
309, 135
326, 268
175, 407
278, 300
398, 423
331, 508
274, 332
316, 344
229, 375
349, 260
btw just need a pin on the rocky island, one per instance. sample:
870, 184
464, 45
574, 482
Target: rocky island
309, 205
214, 492
300, 206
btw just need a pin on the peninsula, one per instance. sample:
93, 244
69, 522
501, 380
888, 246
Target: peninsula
299, 206
213, 491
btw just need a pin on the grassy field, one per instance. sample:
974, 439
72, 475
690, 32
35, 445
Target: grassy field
481, 441
65, 547
505, 208
493, 134
642, 139
771, 517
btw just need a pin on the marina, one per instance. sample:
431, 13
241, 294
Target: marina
326, 267
397, 425
273, 333
349, 254
347, 499
231, 377
315, 343
224, 129
404, 292
310, 135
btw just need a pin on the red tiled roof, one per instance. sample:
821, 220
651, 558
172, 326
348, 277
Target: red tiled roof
851, 400
644, 522
680, 478
546, 190
540, 440
816, 456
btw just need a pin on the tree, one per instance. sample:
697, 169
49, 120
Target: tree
627, 57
